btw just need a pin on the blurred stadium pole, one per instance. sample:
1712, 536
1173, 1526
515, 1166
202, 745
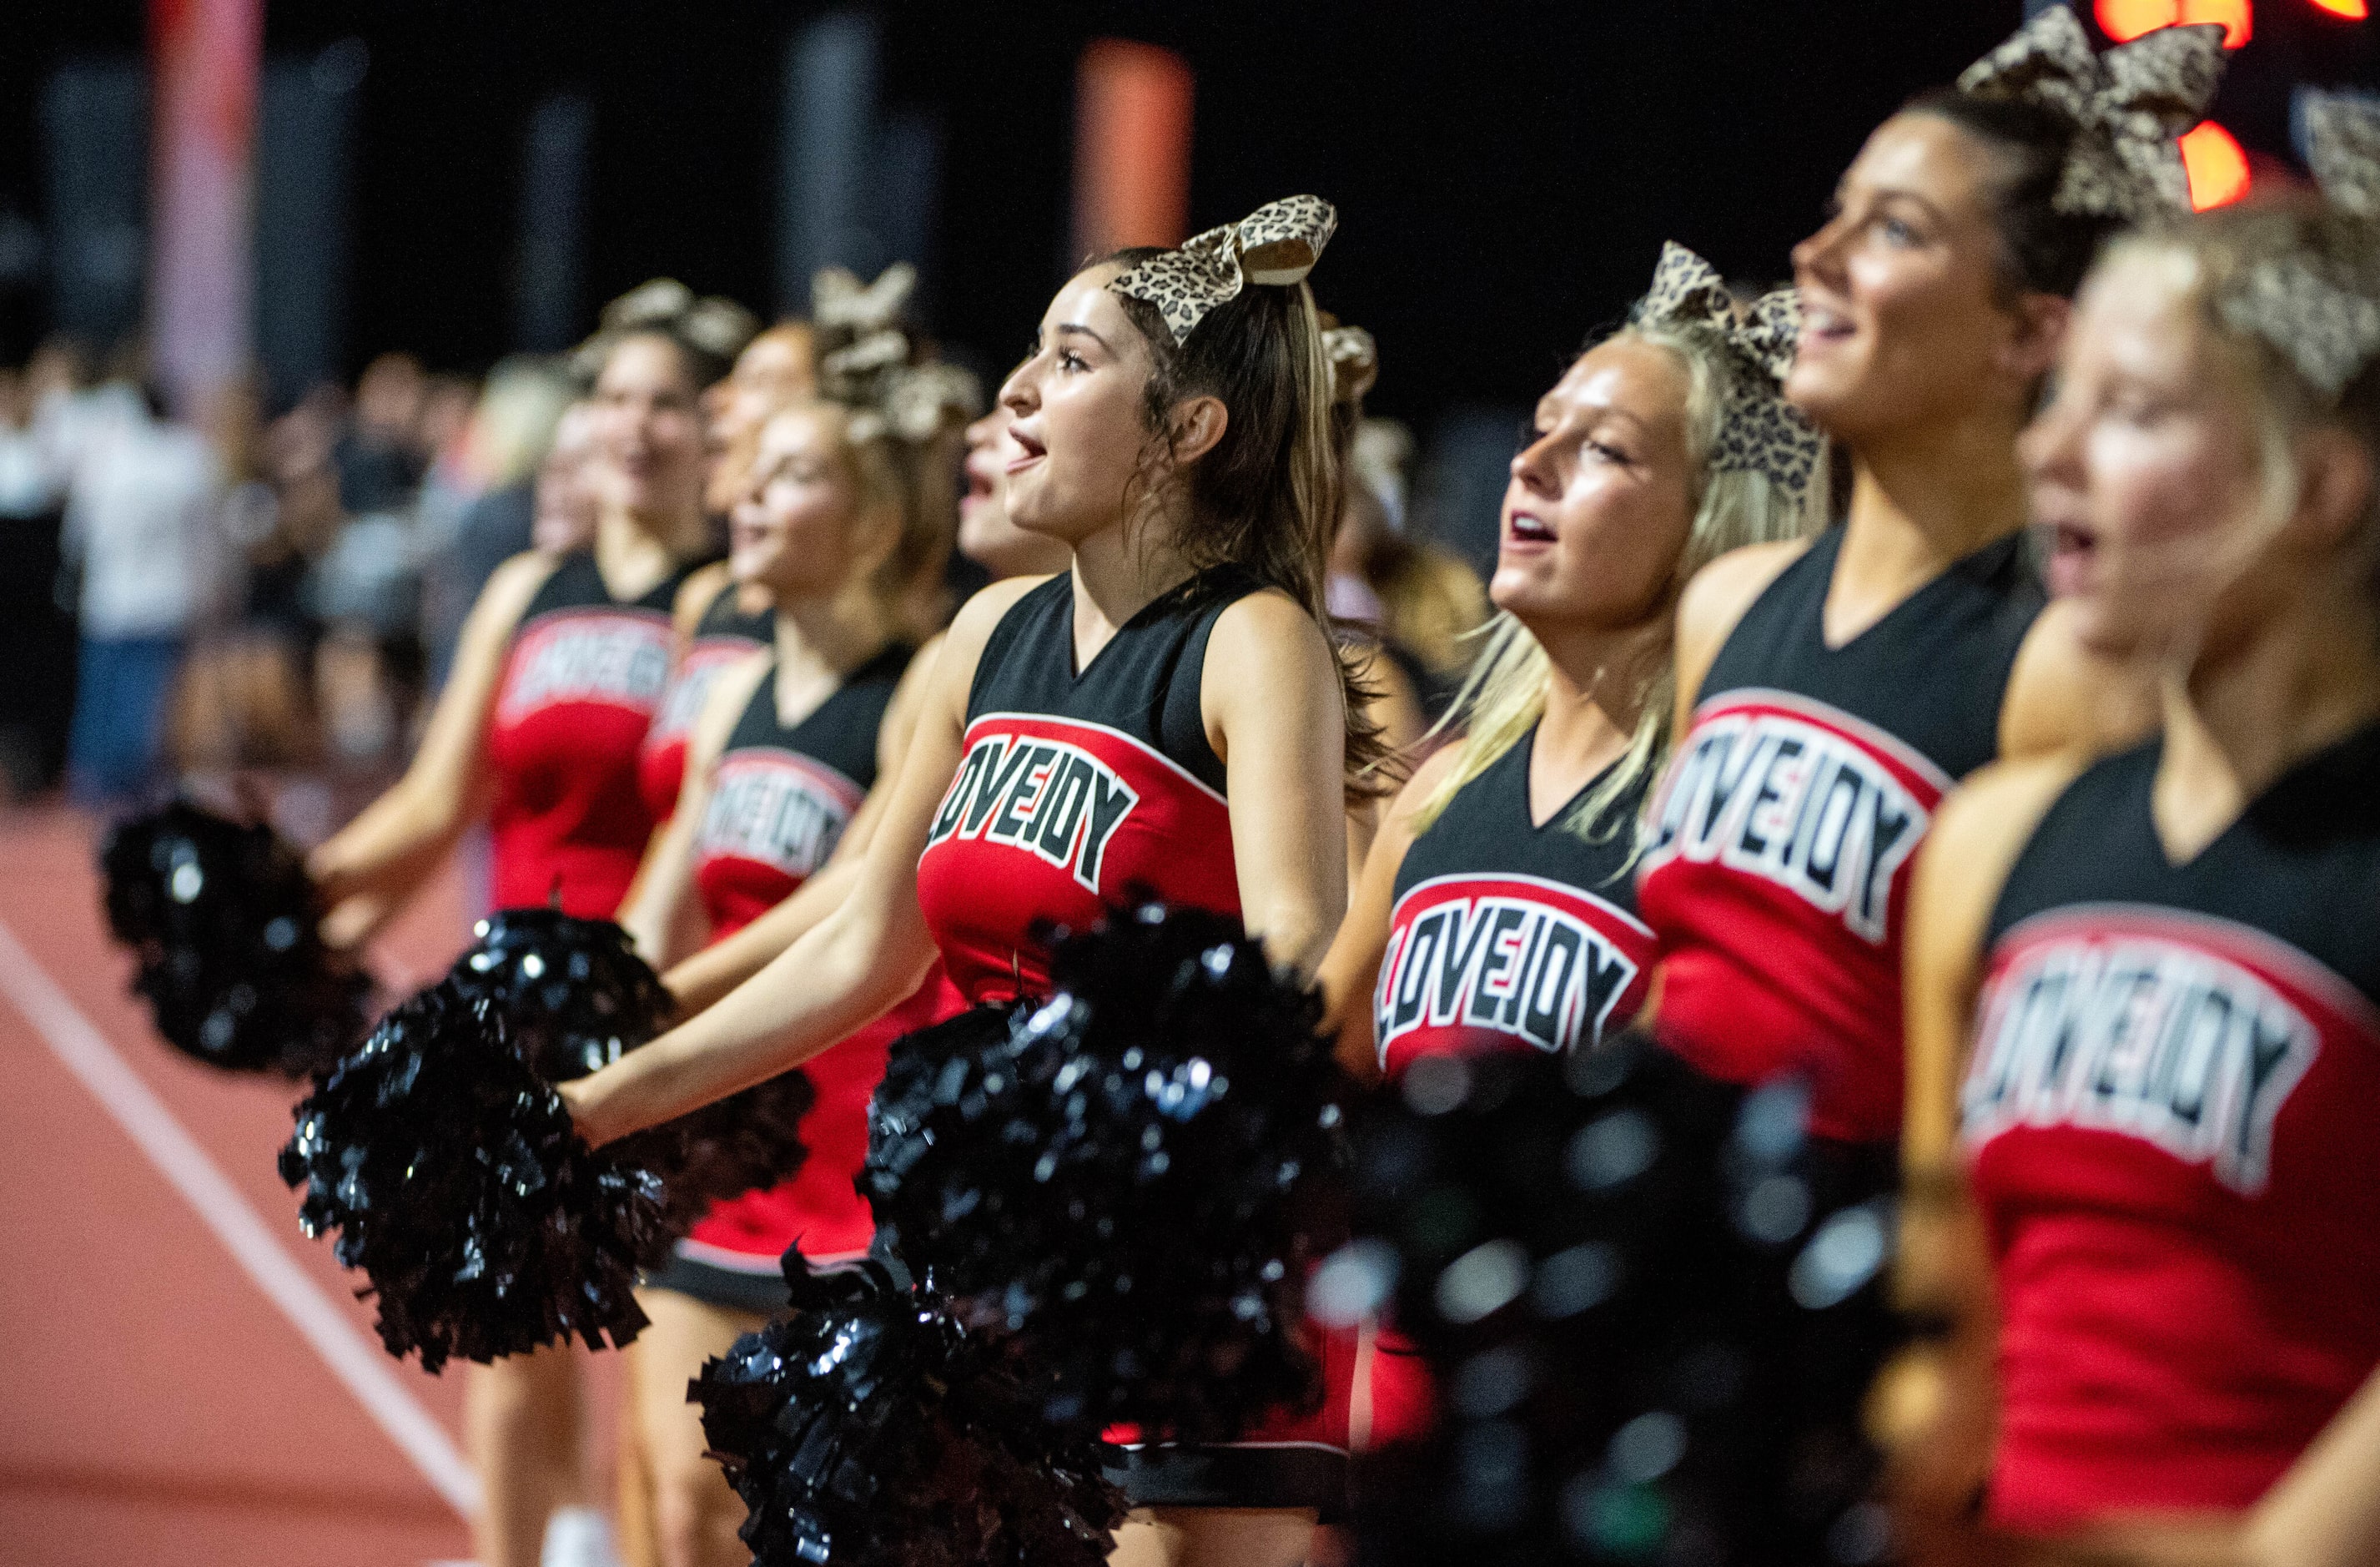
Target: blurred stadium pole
94, 140
827, 146
305, 123
206, 55
1132, 148
554, 156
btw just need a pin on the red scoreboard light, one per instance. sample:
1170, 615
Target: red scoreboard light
2217, 169
2124, 20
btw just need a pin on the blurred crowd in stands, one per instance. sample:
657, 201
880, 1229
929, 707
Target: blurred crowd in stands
227, 589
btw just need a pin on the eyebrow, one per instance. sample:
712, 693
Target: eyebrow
1077, 326
1894, 193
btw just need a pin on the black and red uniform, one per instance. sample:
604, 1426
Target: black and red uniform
1784, 829
781, 795
724, 637
2172, 1116
1075, 792
581, 684
1507, 935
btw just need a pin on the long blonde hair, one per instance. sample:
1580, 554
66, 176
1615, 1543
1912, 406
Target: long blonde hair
1505, 693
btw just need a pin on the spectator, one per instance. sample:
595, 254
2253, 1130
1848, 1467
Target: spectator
378, 461
476, 509
141, 497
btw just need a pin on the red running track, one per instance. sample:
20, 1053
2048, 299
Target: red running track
158, 1402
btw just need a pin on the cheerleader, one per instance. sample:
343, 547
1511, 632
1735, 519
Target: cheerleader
1829, 691
1496, 909
2159, 968
560, 669
781, 776
1170, 427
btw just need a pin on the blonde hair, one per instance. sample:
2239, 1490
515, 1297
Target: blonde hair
2215, 254
1505, 693
892, 482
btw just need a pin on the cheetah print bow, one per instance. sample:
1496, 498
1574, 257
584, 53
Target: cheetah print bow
1759, 432
1354, 361
2131, 103
2321, 311
1276, 245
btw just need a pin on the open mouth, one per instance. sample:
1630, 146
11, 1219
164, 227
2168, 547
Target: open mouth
1029, 450
1526, 529
2073, 551
1822, 324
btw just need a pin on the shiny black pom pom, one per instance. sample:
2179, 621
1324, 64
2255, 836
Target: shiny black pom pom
869, 1429
224, 922
1115, 1177
576, 997
456, 1184
1651, 1303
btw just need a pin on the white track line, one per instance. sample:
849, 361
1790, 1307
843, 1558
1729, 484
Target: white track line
354, 1359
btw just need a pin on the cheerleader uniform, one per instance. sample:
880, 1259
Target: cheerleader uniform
1075, 792
1504, 935
780, 797
723, 636
2169, 1118
1782, 834
581, 684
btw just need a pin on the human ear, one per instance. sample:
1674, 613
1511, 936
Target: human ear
2334, 485
1197, 428
2037, 333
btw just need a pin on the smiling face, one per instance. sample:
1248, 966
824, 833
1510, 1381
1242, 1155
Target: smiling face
648, 431
797, 531
2146, 468
773, 369
985, 536
1905, 318
1601, 500
1076, 426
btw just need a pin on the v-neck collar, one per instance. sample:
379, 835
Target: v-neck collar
1932, 585
1162, 601
2367, 735
1527, 747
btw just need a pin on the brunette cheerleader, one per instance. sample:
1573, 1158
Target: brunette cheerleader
1497, 910
2160, 970
560, 669
1829, 692
1169, 711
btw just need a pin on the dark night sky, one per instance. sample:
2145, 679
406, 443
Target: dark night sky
1505, 171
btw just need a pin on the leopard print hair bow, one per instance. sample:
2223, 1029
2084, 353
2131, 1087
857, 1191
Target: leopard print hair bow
1354, 361
1276, 245
1759, 432
2131, 104
719, 327
2321, 311
867, 361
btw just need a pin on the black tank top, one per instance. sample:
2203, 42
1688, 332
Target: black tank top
1079, 790
1506, 935
578, 583
1785, 827
2172, 1120
782, 795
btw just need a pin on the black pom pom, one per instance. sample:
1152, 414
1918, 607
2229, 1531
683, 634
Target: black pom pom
1653, 1304
576, 997
225, 923
1115, 1176
869, 1429
452, 1174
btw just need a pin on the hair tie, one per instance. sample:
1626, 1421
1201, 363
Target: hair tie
1276, 245
2129, 107
1759, 431
2321, 311
1354, 361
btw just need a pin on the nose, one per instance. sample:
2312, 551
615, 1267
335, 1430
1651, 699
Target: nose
1815, 256
2050, 446
1533, 466
1018, 394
